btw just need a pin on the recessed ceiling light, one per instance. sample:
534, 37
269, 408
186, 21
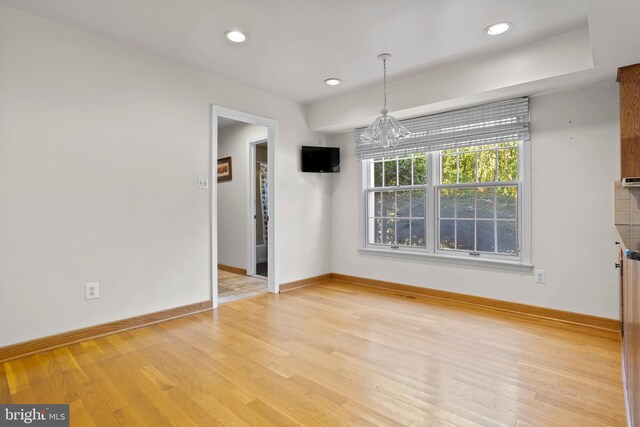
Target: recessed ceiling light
498, 28
235, 36
332, 81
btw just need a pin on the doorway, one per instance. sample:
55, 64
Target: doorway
244, 267
258, 213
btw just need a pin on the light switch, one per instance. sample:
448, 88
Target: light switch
203, 182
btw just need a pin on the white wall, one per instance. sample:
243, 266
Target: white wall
100, 147
575, 159
232, 195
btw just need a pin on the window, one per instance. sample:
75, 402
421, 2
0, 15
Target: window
478, 199
396, 200
456, 188
465, 199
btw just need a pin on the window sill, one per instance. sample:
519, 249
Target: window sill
486, 263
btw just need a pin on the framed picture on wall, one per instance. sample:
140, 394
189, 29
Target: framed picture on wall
224, 169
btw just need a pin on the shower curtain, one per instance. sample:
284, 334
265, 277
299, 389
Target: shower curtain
264, 199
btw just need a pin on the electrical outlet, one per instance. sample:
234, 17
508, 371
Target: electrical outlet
203, 182
92, 290
541, 276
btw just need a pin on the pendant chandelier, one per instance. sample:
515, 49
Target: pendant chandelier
385, 131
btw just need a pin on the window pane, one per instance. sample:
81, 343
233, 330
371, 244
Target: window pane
389, 203
465, 203
507, 237
377, 174
484, 236
404, 203
389, 231
447, 203
449, 169
417, 203
485, 202
486, 166
507, 202
447, 234
418, 233
390, 173
467, 167
404, 168
465, 235
375, 225
508, 164
420, 170
377, 204
403, 237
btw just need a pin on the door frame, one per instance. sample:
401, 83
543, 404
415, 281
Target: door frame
272, 135
252, 208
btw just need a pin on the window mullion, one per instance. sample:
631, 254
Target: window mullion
475, 212
495, 219
455, 220
431, 204
410, 208
395, 215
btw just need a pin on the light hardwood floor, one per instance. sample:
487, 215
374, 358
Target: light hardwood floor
333, 354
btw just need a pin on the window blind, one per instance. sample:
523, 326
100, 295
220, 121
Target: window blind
501, 121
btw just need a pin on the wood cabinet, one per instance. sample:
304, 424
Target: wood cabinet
629, 79
630, 315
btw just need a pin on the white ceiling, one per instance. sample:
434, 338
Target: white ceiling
295, 44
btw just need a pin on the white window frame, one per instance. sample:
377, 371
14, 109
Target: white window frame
432, 252
370, 189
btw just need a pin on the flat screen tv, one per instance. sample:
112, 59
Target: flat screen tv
321, 159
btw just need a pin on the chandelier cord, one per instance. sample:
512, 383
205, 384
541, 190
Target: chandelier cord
385, 131
384, 66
